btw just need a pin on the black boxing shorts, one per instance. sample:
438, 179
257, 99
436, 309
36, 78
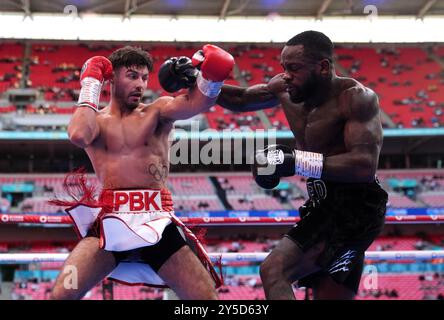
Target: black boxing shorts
347, 217
156, 255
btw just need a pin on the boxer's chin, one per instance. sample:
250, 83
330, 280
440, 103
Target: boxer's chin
132, 106
296, 98
132, 103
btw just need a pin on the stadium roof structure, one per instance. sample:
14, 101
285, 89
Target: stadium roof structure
230, 8
223, 21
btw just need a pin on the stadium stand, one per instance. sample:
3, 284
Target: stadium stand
408, 81
410, 189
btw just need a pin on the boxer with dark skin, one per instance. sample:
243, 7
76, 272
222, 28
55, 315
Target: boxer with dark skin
127, 143
338, 118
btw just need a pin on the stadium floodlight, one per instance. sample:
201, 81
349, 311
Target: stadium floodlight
141, 28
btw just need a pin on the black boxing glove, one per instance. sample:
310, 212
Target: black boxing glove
177, 73
277, 161
272, 163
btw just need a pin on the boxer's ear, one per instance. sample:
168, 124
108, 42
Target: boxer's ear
112, 78
325, 65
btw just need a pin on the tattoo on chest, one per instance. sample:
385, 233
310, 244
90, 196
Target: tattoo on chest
159, 173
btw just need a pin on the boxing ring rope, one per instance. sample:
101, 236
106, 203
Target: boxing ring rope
213, 221
26, 258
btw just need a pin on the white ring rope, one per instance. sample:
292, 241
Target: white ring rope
25, 258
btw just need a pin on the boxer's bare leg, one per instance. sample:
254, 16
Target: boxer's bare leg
187, 277
86, 266
286, 264
328, 289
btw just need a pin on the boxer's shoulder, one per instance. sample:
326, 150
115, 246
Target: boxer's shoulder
157, 104
153, 111
357, 101
103, 114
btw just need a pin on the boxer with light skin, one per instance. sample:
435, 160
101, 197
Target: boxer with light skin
127, 143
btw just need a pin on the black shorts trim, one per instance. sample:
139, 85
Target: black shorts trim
156, 255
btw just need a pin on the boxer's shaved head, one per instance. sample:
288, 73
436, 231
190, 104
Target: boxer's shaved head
307, 60
317, 46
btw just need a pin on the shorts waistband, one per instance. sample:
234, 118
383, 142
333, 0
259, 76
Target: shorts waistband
137, 200
318, 189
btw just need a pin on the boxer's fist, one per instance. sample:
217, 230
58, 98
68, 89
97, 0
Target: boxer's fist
215, 65
97, 67
94, 72
272, 163
177, 73
277, 84
214, 62
277, 161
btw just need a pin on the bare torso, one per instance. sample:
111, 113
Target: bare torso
321, 128
317, 130
131, 150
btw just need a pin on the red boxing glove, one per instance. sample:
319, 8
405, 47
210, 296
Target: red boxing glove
94, 72
215, 65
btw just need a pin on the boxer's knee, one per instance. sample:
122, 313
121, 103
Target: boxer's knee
205, 290
265, 269
272, 269
280, 267
59, 292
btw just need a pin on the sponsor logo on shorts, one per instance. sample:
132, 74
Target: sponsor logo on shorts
137, 201
317, 189
342, 264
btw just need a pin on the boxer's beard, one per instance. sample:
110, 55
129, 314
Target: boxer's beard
131, 106
122, 98
308, 89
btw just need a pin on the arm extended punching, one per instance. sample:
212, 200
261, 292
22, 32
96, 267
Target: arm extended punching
257, 97
204, 86
184, 106
252, 98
